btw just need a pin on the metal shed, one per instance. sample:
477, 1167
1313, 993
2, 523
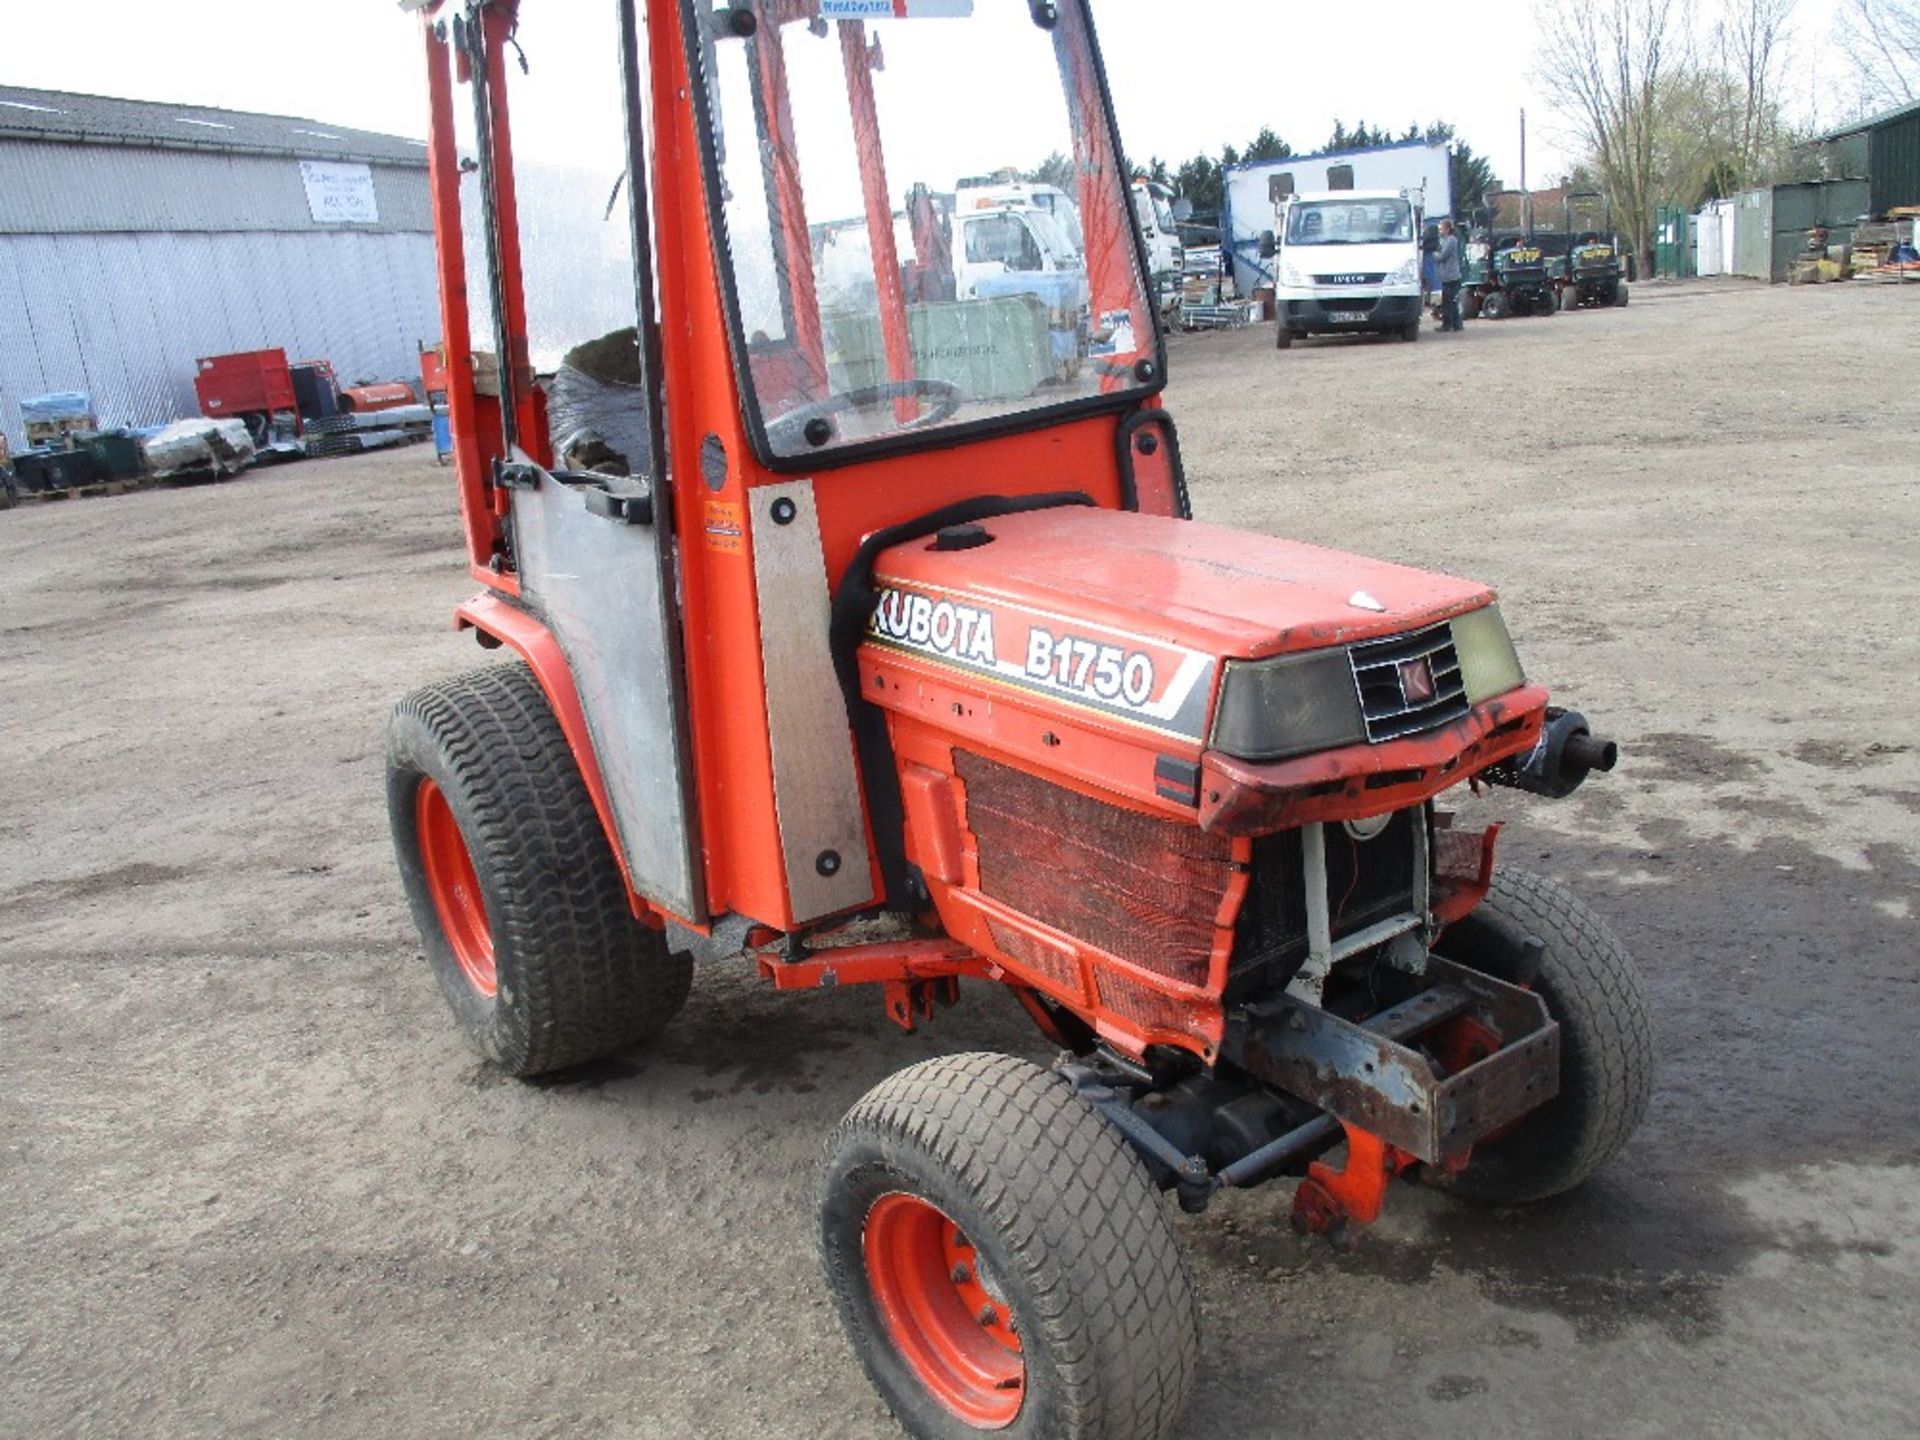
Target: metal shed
136, 237
1883, 150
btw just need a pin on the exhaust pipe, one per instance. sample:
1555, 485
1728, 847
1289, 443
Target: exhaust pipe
1566, 753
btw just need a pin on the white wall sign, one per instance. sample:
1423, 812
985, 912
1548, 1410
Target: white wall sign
339, 194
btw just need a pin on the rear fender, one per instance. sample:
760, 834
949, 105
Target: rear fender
522, 632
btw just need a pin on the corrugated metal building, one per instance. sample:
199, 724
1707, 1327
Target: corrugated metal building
136, 237
1883, 150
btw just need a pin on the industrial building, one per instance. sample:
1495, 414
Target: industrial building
136, 237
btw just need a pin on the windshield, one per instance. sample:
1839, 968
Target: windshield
874, 297
1349, 222
1154, 211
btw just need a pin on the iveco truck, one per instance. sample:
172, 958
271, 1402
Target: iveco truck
1346, 262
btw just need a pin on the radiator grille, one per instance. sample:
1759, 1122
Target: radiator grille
1389, 675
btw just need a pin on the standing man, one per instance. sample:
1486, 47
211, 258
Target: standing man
1446, 264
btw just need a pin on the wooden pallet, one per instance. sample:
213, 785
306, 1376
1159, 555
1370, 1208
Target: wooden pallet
89, 491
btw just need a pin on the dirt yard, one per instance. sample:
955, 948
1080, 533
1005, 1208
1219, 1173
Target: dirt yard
252, 1183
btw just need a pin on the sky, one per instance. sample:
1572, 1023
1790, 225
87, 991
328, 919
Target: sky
1186, 75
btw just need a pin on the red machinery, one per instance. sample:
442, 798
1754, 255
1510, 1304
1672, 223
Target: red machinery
856, 640
252, 385
260, 386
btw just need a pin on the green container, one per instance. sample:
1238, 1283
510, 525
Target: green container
116, 455
990, 349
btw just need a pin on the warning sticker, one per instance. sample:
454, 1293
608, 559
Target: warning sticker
726, 527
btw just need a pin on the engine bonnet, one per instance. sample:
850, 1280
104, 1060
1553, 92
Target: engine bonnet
1130, 615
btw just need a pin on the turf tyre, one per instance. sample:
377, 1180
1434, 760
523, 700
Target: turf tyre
1058, 1208
578, 978
1591, 987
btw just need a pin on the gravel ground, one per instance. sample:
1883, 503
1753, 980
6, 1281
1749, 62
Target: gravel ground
252, 1183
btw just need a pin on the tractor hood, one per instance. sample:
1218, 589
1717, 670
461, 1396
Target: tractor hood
1132, 615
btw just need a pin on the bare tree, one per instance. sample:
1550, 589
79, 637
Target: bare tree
1602, 64
1749, 43
1881, 40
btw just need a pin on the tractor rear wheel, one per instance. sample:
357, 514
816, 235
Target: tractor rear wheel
519, 900
1591, 987
1410, 331
1001, 1262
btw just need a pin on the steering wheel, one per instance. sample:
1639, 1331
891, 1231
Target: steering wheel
812, 422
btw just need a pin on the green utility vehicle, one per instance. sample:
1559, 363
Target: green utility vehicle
1588, 272
1503, 273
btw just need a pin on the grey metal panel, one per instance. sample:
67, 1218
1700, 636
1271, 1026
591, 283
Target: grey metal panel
126, 316
104, 119
54, 189
1753, 234
816, 787
1894, 161
599, 585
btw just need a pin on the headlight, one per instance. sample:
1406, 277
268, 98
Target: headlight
1292, 278
1406, 274
1489, 665
1270, 709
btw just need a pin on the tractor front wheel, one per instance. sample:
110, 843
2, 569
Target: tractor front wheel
1494, 307
1001, 1262
1590, 986
1620, 293
518, 898
1282, 337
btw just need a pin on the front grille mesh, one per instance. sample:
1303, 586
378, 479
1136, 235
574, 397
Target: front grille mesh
1389, 712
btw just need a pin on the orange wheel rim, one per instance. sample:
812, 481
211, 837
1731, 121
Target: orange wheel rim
455, 888
946, 1317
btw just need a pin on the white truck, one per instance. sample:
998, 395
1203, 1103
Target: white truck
1155, 207
1346, 262
992, 194
995, 251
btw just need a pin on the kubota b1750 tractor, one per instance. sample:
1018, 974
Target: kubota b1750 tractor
857, 640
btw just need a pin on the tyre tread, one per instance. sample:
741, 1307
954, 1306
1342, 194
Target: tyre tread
1072, 1200
593, 980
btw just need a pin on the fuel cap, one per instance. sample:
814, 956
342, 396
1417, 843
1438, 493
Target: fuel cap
962, 537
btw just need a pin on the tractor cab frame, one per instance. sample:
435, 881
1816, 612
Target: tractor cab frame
864, 635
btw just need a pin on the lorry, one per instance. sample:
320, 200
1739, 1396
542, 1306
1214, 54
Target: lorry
1346, 263
974, 252
1256, 189
902, 686
1158, 211
993, 191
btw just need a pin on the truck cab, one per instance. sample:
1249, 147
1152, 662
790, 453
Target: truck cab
987, 193
980, 250
1153, 210
1346, 262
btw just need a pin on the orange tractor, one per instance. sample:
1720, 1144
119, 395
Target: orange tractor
863, 635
